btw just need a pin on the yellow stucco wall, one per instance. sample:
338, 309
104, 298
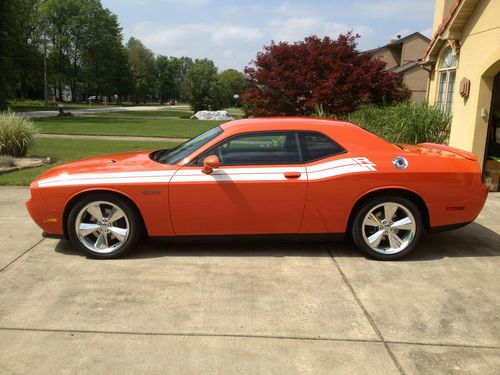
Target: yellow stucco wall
478, 61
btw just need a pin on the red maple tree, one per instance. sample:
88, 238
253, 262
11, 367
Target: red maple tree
292, 79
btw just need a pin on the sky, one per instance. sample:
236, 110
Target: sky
232, 32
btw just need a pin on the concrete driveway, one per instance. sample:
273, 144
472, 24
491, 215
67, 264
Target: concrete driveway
249, 308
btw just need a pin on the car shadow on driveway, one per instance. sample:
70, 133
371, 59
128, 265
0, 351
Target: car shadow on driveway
474, 240
156, 248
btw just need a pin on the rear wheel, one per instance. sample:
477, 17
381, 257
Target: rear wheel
387, 228
104, 226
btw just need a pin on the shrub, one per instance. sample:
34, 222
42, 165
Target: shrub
17, 134
320, 112
294, 78
404, 122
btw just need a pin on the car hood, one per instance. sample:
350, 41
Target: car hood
115, 163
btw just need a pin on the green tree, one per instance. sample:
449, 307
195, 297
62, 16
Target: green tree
168, 70
104, 59
142, 65
185, 64
85, 48
18, 48
234, 83
220, 96
58, 20
202, 85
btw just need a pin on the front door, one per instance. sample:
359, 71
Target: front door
259, 188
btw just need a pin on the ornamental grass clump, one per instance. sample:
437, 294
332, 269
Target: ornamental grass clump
406, 122
17, 134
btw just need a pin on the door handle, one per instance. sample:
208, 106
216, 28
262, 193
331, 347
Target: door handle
292, 174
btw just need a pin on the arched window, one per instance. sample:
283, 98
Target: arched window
447, 75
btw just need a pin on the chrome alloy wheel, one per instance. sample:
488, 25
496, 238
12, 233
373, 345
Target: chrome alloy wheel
102, 227
389, 228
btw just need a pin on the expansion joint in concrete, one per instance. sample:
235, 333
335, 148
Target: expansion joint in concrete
365, 312
21, 255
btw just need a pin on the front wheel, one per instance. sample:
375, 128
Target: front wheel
387, 228
103, 226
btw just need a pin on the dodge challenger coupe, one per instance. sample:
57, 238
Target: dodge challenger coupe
286, 176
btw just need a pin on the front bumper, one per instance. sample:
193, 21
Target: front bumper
48, 220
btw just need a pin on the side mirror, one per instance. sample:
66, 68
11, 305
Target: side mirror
210, 163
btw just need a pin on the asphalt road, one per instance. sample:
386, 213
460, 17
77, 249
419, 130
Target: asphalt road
237, 308
97, 110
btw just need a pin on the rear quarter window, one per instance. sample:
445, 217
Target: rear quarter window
318, 146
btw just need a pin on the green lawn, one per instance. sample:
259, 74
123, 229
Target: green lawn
158, 113
168, 127
67, 150
236, 112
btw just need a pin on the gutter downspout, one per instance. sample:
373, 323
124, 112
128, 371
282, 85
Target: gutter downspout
424, 65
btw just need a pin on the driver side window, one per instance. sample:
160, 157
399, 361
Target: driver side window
257, 148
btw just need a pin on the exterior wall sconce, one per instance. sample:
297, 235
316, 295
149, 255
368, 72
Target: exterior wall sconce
464, 88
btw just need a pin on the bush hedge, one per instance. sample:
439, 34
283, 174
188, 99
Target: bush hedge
406, 122
17, 134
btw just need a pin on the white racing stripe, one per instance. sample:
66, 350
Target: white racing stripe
339, 167
330, 165
104, 181
314, 172
346, 169
107, 178
239, 174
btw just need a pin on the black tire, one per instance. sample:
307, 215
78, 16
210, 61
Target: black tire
357, 226
131, 213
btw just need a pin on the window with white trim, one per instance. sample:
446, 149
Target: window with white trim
447, 74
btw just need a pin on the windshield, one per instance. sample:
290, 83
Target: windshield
175, 155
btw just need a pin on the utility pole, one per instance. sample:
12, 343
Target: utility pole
46, 87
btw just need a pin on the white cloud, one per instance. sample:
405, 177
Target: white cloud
297, 28
233, 45
401, 9
224, 34
231, 33
288, 9
228, 46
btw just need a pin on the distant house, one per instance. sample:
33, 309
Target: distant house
401, 56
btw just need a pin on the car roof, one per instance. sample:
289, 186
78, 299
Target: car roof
349, 136
280, 123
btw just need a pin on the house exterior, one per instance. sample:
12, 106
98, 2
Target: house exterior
401, 56
463, 59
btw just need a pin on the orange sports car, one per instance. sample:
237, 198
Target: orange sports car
268, 176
